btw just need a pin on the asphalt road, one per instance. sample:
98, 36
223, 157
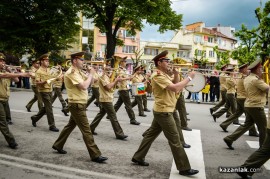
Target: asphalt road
35, 158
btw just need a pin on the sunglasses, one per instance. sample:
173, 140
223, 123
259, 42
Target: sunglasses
165, 60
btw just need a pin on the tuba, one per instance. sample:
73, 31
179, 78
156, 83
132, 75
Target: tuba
117, 60
56, 72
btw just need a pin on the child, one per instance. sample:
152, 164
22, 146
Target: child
205, 92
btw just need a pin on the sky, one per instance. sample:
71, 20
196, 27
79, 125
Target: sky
232, 13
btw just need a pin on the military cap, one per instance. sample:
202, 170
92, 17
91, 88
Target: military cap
223, 66
44, 57
137, 67
2, 56
77, 55
123, 59
254, 64
229, 69
243, 66
162, 55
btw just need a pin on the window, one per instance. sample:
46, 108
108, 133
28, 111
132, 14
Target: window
197, 39
180, 54
199, 52
102, 34
211, 54
103, 47
127, 34
210, 39
149, 51
128, 49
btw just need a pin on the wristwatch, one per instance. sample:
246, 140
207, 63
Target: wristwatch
190, 79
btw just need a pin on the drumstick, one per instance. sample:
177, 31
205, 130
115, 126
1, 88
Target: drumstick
190, 85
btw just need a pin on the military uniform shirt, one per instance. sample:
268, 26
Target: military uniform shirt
165, 100
4, 88
241, 92
230, 85
123, 85
43, 74
105, 96
58, 83
138, 78
256, 91
95, 84
222, 80
72, 78
33, 76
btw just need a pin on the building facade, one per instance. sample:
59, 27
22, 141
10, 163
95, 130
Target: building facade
203, 40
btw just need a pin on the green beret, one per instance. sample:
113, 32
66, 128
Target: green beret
2, 56
77, 55
160, 56
254, 64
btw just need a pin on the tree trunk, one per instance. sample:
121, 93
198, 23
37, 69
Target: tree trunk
110, 49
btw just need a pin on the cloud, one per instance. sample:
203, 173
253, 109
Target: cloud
212, 12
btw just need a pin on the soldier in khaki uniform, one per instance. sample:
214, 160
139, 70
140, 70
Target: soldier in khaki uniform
223, 91
37, 97
45, 90
95, 89
165, 88
138, 78
146, 83
230, 97
77, 83
260, 156
5, 78
106, 102
241, 97
57, 88
256, 90
124, 93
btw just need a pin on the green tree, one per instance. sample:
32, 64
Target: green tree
200, 58
255, 42
223, 56
110, 15
38, 25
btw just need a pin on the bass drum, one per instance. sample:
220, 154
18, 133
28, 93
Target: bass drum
197, 83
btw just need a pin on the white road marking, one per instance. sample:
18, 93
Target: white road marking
51, 169
195, 155
255, 145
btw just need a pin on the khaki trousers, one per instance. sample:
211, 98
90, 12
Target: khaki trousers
164, 122
256, 116
181, 108
47, 109
107, 107
260, 156
37, 98
58, 93
230, 104
94, 96
222, 102
124, 98
78, 118
239, 111
3, 123
138, 100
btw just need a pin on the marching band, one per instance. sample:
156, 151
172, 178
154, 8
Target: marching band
245, 93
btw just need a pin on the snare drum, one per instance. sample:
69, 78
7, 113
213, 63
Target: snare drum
138, 89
